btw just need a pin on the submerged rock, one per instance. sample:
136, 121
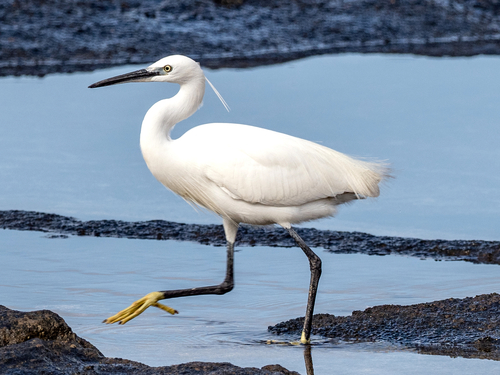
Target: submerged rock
41, 342
468, 327
58, 226
41, 37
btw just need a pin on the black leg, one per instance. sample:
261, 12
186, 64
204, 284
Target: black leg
315, 266
152, 299
224, 287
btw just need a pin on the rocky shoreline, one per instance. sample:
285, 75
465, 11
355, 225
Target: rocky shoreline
40, 342
468, 327
57, 226
56, 36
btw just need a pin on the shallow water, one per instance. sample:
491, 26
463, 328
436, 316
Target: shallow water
74, 151
87, 279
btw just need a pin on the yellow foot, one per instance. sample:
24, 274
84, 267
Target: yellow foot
138, 308
303, 339
276, 342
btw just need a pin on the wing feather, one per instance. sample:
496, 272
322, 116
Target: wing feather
261, 166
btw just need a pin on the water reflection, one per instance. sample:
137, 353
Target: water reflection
308, 360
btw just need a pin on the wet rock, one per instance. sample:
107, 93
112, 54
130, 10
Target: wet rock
58, 226
468, 327
41, 342
29, 340
41, 37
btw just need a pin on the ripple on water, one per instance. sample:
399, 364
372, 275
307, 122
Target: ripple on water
232, 327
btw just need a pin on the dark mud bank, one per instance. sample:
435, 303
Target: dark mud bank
468, 327
41, 37
40, 342
57, 226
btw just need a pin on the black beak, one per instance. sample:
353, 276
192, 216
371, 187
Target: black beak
127, 77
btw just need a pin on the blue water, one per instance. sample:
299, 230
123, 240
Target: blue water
87, 279
74, 151
71, 150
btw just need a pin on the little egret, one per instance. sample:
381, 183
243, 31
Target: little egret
242, 173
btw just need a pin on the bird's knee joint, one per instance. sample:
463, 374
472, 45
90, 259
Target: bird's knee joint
315, 264
226, 287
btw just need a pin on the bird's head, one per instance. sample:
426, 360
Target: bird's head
175, 69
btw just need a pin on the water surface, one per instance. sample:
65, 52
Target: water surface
74, 151
86, 279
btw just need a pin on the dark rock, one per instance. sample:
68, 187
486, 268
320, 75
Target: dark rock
58, 226
468, 327
40, 342
41, 37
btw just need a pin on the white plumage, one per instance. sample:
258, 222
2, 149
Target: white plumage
258, 176
243, 173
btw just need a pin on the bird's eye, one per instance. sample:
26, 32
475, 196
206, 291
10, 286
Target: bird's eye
167, 68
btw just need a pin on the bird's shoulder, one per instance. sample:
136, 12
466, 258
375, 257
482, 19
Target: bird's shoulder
262, 145
233, 133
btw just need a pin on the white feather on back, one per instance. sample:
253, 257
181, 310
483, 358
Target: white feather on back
261, 166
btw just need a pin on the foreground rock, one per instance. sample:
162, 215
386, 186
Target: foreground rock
41, 37
468, 327
41, 342
58, 226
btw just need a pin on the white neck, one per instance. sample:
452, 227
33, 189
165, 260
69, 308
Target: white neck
163, 115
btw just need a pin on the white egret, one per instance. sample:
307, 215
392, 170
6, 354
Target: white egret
242, 173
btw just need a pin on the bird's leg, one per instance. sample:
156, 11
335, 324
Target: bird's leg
315, 266
152, 299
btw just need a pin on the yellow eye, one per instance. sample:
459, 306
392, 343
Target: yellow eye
167, 68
